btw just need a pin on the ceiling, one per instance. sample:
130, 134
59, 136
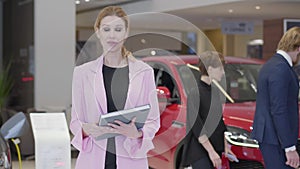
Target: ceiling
211, 17
97, 4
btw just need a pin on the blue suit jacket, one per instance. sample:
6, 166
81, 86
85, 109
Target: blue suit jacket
276, 117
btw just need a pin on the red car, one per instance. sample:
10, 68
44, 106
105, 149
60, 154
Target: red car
174, 76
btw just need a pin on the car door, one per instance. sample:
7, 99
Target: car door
172, 128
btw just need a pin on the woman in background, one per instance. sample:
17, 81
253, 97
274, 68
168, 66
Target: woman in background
204, 143
115, 81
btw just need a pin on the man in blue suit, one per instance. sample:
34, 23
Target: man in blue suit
276, 121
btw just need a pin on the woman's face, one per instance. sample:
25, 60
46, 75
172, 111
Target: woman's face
216, 73
112, 33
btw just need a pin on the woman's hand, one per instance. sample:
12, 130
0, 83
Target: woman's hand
128, 130
213, 155
215, 159
92, 129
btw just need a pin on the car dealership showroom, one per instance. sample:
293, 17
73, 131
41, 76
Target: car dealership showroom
42, 43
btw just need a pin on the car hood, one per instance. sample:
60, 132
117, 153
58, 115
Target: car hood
239, 115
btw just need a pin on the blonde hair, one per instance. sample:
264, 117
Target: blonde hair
210, 58
113, 11
290, 40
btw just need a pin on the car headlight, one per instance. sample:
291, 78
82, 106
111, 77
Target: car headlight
240, 137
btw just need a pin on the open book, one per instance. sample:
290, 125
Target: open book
140, 112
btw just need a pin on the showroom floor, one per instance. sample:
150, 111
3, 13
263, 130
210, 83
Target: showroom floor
30, 164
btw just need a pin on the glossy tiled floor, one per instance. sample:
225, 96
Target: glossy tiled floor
30, 164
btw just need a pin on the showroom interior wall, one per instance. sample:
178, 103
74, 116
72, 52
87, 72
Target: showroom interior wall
150, 39
54, 49
241, 41
54, 43
238, 43
234, 45
216, 38
84, 19
272, 32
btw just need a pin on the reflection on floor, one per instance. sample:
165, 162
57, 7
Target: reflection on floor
30, 164
28, 161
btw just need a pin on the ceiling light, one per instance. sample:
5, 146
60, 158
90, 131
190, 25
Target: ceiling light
153, 52
77, 2
257, 7
230, 10
87, 0
256, 42
143, 41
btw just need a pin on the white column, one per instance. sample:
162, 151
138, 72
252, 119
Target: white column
54, 50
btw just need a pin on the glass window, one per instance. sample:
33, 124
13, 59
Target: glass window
241, 81
163, 77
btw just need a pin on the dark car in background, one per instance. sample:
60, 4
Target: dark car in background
174, 77
12, 128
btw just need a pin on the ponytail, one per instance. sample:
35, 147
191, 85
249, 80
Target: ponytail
125, 53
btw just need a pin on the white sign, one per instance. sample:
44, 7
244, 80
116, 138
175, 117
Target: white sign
233, 27
52, 141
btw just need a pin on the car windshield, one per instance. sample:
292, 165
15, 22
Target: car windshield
241, 80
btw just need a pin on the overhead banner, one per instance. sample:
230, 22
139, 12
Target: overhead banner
237, 27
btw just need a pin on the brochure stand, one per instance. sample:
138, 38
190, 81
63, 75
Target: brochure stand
52, 141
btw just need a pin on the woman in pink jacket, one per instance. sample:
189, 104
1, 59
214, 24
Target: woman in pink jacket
114, 81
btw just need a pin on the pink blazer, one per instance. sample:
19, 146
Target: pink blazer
89, 102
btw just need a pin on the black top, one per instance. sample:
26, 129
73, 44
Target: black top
116, 82
204, 116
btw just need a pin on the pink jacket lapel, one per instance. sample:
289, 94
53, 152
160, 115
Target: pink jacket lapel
98, 85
